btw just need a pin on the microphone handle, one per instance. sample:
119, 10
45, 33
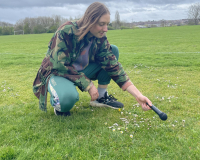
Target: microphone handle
155, 109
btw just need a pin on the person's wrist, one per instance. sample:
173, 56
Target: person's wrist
88, 87
138, 95
91, 85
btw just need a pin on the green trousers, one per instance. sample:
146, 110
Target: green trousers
63, 93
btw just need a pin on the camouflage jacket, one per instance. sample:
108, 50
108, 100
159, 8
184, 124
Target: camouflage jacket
63, 49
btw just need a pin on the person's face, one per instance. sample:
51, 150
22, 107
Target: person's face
101, 26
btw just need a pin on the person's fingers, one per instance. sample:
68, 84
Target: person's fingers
93, 99
145, 107
149, 102
142, 101
94, 96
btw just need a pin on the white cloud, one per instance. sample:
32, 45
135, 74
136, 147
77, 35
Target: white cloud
129, 10
67, 11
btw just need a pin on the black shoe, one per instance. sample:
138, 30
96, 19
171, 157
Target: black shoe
107, 101
57, 113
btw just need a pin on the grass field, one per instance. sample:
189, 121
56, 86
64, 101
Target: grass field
163, 63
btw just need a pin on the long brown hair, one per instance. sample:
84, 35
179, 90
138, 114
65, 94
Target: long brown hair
90, 18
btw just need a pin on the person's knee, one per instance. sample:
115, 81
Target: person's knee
68, 100
115, 51
63, 93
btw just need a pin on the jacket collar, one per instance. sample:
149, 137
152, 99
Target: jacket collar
86, 39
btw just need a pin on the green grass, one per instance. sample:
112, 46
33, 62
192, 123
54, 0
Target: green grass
163, 63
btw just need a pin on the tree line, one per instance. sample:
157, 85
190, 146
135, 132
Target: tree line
50, 24
33, 25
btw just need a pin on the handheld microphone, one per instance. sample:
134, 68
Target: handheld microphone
161, 114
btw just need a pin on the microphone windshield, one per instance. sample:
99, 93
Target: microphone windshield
163, 116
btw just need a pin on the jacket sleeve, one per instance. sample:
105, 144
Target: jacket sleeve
61, 53
111, 65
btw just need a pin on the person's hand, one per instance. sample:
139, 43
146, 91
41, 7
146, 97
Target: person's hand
142, 100
93, 93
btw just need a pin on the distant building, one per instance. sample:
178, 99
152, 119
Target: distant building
141, 26
160, 23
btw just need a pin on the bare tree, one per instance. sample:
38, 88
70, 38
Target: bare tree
19, 25
194, 13
117, 23
6, 24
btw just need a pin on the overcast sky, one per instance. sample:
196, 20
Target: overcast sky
130, 10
